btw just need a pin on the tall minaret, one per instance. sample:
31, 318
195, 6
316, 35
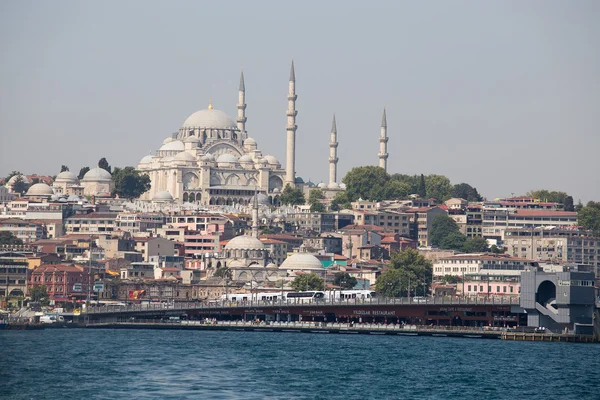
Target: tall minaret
241, 118
333, 159
255, 215
290, 162
383, 139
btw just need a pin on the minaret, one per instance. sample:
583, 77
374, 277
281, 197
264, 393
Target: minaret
290, 162
383, 139
333, 159
241, 118
255, 215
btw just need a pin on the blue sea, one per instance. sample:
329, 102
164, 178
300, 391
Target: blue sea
163, 364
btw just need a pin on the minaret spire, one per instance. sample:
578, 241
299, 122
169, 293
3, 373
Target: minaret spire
241, 118
383, 139
333, 159
290, 162
255, 214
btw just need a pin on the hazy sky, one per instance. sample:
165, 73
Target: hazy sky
504, 95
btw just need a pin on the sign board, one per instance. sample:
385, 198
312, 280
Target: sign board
78, 287
98, 287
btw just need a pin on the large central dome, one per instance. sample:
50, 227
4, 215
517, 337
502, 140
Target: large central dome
210, 119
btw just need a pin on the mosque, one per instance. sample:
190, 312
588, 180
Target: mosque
211, 160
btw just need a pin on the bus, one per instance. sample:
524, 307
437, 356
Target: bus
351, 295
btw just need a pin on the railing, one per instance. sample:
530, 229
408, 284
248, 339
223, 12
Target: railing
378, 301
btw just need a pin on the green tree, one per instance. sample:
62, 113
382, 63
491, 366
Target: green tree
407, 268
344, 280
366, 183
306, 282
467, 192
340, 201
63, 168
395, 189
13, 173
441, 227
7, 237
412, 181
569, 206
19, 185
475, 245
497, 250
130, 184
292, 196
579, 205
422, 187
314, 200
317, 207
439, 187
104, 165
38, 293
450, 279
82, 172
589, 217
549, 196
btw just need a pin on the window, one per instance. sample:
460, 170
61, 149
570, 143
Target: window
469, 288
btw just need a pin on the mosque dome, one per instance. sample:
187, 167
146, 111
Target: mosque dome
146, 160
207, 157
249, 141
227, 158
66, 176
261, 199
333, 185
245, 159
191, 139
271, 160
175, 145
40, 189
13, 179
276, 190
244, 243
302, 261
184, 156
163, 196
322, 185
210, 119
168, 140
97, 174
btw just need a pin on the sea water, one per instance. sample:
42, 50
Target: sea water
164, 364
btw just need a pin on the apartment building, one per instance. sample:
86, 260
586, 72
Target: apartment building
96, 222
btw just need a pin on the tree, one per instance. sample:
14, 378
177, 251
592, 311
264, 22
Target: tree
82, 172
38, 293
497, 250
314, 200
306, 282
63, 168
292, 196
422, 187
589, 217
568, 204
475, 245
340, 201
130, 184
19, 185
7, 237
366, 183
395, 189
317, 207
439, 187
549, 196
579, 205
13, 173
408, 268
344, 280
450, 279
104, 165
442, 226
467, 192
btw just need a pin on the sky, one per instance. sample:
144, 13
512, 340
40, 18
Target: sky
503, 95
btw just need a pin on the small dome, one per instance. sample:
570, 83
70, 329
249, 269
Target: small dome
261, 199
66, 176
322, 185
191, 139
73, 198
168, 140
227, 158
167, 159
40, 189
249, 141
302, 261
271, 265
342, 186
146, 160
334, 185
210, 119
163, 196
271, 160
184, 156
244, 243
97, 174
175, 145
245, 159
276, 190
13, 179
299, 180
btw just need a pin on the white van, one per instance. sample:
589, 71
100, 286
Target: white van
51, 319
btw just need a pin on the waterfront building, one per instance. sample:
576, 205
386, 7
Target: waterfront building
13, 278
481, 264
63, 282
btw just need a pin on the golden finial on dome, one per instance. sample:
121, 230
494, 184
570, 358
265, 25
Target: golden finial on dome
210, 107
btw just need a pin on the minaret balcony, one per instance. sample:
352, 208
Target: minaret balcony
291, 113
241, 106
333, 145
333, 160
242, 119
292, 98
291, 127
383, 139
383, 156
